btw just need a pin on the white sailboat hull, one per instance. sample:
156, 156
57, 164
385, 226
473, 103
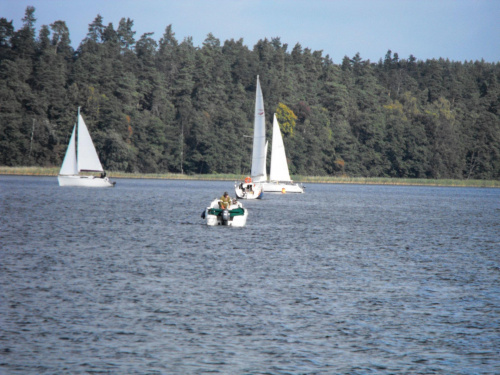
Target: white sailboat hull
282, 187
248, 190
214, 217
85, 181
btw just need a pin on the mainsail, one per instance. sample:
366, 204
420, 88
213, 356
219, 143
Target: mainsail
87, 154
258, 172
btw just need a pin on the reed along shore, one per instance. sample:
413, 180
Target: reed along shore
53, 171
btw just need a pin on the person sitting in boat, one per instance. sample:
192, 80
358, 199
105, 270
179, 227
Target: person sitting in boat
103, 174
225, 201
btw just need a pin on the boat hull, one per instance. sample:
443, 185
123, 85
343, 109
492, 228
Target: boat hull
251, 190
214, 217
282, 187
85, 181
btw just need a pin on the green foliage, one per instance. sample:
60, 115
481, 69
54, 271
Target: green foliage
286, 118
170, 107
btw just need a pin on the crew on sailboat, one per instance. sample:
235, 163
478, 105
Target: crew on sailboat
246, 186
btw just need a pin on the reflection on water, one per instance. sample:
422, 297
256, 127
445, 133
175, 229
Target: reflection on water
341, 279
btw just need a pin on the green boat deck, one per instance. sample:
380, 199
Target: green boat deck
234, 212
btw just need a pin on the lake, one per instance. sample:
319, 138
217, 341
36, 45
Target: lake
344, 279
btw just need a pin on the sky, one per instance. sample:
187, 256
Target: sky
459, 30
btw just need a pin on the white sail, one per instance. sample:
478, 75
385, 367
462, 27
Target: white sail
69, 166
279, 166
87, 154
265, 160
258, 172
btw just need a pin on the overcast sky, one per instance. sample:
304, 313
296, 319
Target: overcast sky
456, 29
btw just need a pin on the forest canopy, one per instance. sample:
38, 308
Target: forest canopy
163, 105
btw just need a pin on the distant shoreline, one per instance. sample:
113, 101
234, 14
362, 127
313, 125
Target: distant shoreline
39, 171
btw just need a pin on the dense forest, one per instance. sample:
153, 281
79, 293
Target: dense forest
169, 106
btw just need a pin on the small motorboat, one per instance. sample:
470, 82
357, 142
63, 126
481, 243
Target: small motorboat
234, 216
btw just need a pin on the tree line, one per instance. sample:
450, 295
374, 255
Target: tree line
168, 106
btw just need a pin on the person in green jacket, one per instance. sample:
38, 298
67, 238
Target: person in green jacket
225, 201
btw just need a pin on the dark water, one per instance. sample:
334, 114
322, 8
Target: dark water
343, 279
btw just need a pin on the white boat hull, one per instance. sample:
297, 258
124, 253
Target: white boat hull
214, 217
248, 190
85, 181
282, 187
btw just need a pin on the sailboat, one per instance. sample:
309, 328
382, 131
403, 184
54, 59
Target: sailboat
251, 187
279, 176
81, 156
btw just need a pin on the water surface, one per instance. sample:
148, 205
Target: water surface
349, 279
